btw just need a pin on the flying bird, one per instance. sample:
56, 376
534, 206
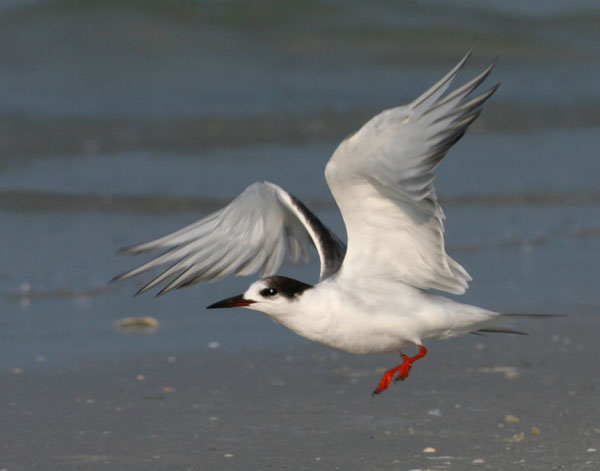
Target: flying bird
373, 293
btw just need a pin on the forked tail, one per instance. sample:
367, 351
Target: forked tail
508, 330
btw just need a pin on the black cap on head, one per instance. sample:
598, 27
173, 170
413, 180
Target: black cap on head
285, 286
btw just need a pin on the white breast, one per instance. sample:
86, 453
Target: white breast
375, 316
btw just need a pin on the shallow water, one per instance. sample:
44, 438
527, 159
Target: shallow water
117, 131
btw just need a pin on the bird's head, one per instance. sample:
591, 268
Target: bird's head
272, 295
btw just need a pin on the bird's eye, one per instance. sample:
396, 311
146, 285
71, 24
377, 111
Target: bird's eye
268, 292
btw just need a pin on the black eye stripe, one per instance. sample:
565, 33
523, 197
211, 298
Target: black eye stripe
282, 286
268, 292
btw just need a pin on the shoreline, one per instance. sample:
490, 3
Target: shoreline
492, 402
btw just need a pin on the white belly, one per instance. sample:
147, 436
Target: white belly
378, 320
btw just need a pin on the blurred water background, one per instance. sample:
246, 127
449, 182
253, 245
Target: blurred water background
121, 120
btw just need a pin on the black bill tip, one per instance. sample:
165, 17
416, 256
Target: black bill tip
236, 301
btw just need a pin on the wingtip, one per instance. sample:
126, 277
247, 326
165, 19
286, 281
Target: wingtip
164, 290
147, 287
461, 63
124, 276
137, 248
433, 93
128, 250
119, 277
466, 57
488, 70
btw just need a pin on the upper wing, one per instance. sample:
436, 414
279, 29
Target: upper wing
248, 235
382, 180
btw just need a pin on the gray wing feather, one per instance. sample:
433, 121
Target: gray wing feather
382, 179
251, 234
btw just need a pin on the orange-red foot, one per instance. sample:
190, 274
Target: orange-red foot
401, 371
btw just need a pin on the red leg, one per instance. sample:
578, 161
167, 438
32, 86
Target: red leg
401, 370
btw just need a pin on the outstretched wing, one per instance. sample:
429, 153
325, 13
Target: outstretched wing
249, 235
382, 180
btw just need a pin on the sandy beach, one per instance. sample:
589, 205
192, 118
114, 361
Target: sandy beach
122, 121
475, 403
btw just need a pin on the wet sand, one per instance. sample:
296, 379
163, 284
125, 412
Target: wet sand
501, 402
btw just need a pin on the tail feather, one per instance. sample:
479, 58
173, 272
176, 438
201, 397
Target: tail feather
533, 316
507, 330
503, 330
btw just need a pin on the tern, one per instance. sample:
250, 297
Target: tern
374, 293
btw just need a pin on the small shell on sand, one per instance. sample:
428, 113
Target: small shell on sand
511, 419
137, 324
429, 449
516, 438
509, 372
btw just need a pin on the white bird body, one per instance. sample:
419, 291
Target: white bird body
393, 315
372, 296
